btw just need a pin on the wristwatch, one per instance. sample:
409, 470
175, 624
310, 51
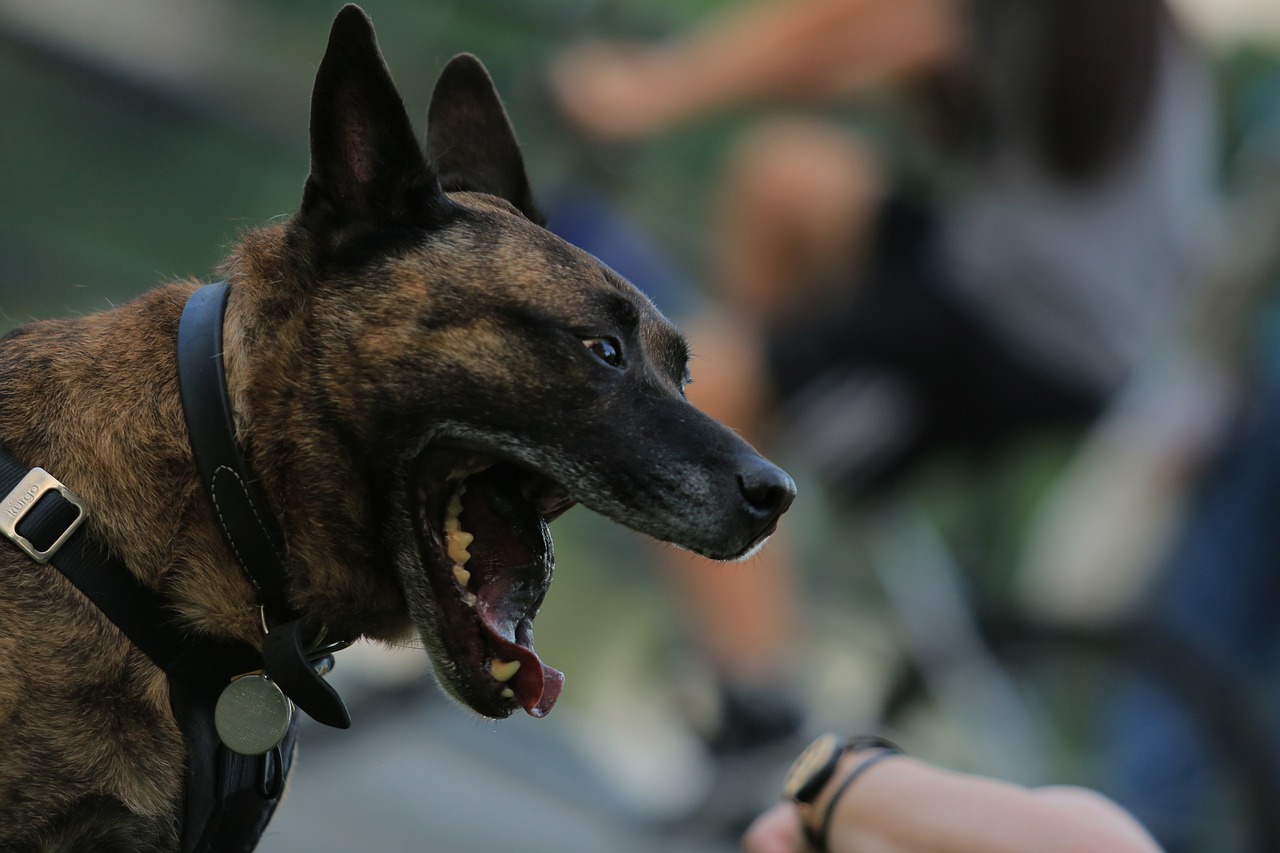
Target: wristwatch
813, 768
816, 765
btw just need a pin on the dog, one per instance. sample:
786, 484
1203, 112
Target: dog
419, 376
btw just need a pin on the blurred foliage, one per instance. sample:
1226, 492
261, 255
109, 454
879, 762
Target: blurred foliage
113, 181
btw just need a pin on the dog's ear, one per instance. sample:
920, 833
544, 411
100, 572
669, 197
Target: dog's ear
470, 142
367, 170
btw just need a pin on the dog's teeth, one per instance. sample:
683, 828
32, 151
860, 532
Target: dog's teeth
507, 693
469, 598
504, 670
452, 510
462, 576
457, 542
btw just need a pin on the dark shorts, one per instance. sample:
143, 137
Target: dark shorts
904, 369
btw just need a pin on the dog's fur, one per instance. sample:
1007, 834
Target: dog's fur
412, 302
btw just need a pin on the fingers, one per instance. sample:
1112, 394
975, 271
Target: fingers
613, 91
775, 831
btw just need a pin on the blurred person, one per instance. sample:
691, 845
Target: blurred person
1218, 592
868, 324
863, 797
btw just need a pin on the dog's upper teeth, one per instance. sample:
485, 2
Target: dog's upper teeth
457, 541
454, 508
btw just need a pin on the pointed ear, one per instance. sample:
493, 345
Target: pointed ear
470, 142
367, 171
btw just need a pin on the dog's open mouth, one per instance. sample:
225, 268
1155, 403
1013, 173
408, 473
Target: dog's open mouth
483, 535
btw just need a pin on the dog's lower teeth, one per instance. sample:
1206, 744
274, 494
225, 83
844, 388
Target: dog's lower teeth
504, 670
507, 693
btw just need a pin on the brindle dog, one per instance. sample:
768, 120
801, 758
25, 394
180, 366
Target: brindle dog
411, 361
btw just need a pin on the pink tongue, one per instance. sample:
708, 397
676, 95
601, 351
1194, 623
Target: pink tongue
535, 684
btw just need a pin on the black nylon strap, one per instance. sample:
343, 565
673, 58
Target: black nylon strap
242, 511
145, 617
229, 797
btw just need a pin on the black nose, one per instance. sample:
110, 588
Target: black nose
767, 490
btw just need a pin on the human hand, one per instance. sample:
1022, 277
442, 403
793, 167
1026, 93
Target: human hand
612, 90
775, 831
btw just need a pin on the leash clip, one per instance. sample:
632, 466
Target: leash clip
24, 497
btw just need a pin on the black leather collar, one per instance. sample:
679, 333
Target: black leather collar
243, 513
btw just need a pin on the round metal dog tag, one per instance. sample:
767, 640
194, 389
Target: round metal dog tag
252, 715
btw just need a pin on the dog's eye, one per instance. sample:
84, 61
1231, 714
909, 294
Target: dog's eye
606, 349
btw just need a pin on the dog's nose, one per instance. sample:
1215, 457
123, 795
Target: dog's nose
766, 489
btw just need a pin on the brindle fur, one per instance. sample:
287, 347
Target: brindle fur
385, 313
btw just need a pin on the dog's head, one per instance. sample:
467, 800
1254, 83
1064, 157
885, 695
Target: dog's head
492, 375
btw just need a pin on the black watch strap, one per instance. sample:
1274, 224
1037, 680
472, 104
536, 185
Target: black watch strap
818, 839
813, 770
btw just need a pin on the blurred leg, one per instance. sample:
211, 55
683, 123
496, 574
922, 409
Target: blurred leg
742, 614
794, 214
797, 201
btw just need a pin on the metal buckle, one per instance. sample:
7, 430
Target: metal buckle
26, 495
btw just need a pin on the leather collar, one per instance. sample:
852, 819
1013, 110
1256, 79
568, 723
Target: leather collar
243, 513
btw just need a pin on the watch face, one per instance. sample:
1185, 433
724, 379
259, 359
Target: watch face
813, 768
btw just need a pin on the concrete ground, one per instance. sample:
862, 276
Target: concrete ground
417, 774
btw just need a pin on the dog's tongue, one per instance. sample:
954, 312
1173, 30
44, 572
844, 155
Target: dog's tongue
535, 684
511, 566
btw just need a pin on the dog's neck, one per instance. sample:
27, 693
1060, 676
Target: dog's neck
94, 400
301, 443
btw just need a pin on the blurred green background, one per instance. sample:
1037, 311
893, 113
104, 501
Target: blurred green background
138, 137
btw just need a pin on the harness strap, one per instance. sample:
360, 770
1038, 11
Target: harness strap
228, 798
202, 663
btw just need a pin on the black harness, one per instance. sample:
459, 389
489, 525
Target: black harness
230, 796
